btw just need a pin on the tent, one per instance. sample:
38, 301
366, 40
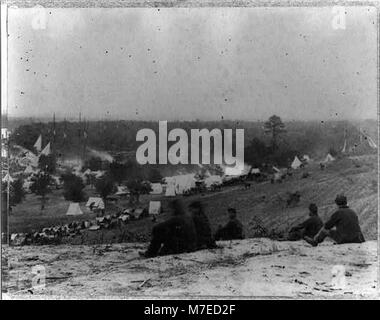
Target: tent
156, 188
95, 203
344, 146
8, 178
306, 158
4, 153
46, 150
170, 189
38, 143
74, 209
29, 170
154, 207
184, 183
28, 159
329, 158
122, 191
213, 180
296, 163
139, 213
255, 171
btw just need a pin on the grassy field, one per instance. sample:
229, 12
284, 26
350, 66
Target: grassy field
357, 178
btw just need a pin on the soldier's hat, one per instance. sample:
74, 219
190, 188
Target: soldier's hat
230, 209
341, 200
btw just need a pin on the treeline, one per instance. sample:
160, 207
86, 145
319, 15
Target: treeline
314, 138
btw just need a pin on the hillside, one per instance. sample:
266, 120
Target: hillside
356, 177
248, 268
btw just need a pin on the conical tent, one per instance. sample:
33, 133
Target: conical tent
74, 209
8, 178
344, 146
296, 163
371, 143
329, 158
46, 150
38, 143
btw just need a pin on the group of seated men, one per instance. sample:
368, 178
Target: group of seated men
190, 230
342, 227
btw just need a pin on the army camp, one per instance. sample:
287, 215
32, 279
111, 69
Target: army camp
187, 150
64, 198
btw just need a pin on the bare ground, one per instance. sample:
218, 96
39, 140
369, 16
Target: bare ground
249, 268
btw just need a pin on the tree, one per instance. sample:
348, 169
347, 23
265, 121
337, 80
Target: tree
105, 186
256, 152
333, 151
154, 176
73, 187
41, 186
138, 187
274, 126
118, 171
16, 192
47, 163
94, 164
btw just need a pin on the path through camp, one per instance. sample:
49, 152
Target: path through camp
251, 267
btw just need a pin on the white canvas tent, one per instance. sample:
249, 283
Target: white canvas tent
170, 189
296, 163
8, 178
122, 191
154, 207
306, 158
213, 180
29, 170
179, 184
38, 144
156, 188
46, 150
74, 209
95, 203
329, 158
184, 183
344, 146
255, 171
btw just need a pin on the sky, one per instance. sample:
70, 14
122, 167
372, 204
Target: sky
192, 63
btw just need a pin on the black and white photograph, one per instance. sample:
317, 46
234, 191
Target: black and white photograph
189, 150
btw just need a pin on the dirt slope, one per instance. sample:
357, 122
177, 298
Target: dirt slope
251, 268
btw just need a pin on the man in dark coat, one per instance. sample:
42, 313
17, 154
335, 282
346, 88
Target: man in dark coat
232, 230
309, 227
176, 235
346, 224
202, 226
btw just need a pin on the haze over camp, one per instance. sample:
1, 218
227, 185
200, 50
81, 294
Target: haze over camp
177, 152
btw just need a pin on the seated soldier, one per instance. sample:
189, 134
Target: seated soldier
232, 230
176, 235
202, 226
346, 224
309, 227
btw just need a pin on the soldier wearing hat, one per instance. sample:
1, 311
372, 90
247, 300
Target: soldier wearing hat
232, 230
202, 226
343, 226
173, 236
308, 228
